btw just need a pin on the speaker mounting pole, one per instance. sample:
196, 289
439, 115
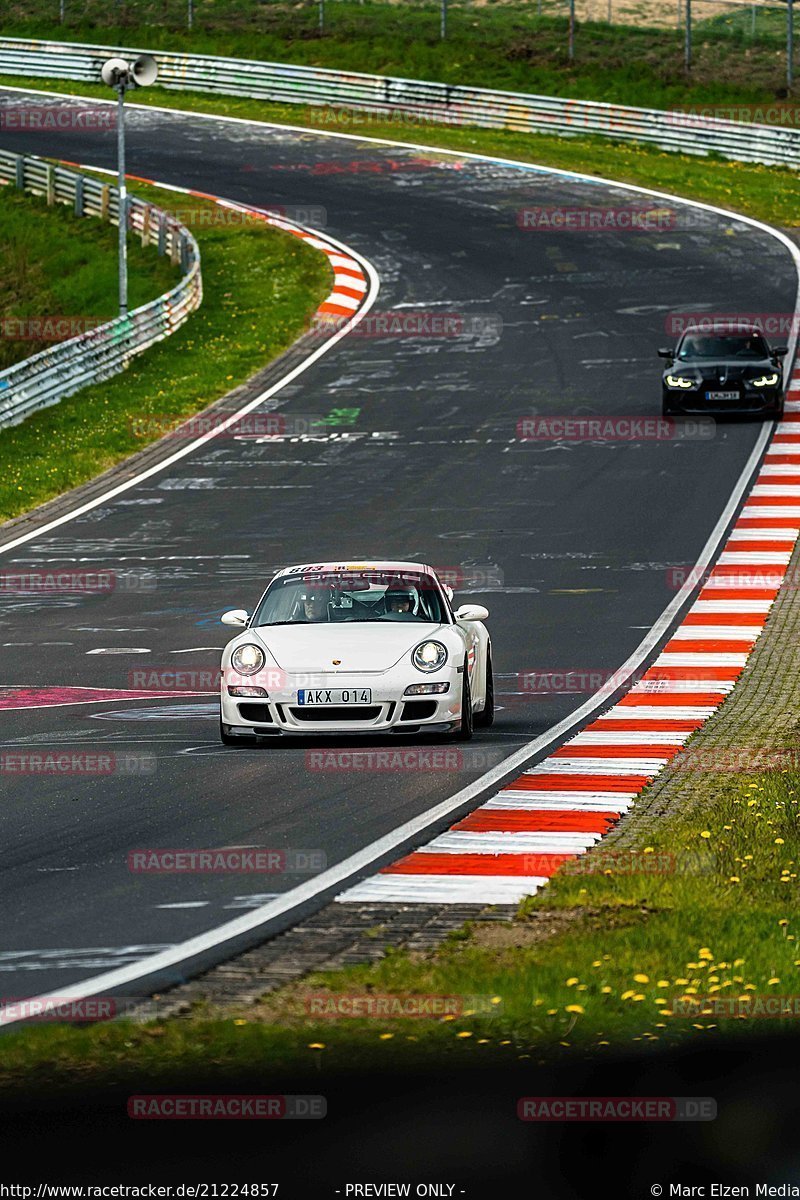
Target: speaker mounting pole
120, 75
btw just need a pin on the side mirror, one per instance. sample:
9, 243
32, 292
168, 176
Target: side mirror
471, 612
236, 616
666, 352
780, 351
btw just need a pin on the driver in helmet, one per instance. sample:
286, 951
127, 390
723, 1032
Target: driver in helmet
315, 605
399, 600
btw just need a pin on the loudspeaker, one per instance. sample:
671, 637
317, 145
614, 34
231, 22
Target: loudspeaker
112, 70
144, 70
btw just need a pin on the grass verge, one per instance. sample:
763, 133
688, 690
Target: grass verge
501, 45
641, 954
261, 287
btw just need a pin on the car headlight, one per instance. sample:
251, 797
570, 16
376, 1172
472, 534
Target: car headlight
679, 381
247, 659
765, 380
429, 656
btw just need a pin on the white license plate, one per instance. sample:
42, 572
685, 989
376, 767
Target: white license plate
722, 395
334, 696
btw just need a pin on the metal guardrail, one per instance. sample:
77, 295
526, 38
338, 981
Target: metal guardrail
106, 350
425, 101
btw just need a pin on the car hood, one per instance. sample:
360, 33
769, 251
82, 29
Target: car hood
361, 646
735, 368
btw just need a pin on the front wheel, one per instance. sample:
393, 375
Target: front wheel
464, 732
485, 717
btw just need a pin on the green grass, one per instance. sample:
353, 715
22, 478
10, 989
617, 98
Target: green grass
261, 287
718, 915
715, 917
501, 45
54, 264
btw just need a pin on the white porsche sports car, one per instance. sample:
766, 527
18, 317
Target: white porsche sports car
364, 647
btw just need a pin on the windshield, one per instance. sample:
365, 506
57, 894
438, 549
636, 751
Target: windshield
350, 596
728, 346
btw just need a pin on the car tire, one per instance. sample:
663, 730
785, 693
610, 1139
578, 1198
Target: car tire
228, 739
464, 731
485, 717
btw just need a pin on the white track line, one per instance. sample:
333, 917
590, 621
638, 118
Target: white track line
414, 830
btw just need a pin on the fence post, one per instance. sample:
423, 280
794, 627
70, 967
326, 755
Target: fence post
321, 5
443, 21
105, 199
789, 45
688, 43
20, 171
79, 196
146, 225
50, 180
190, 15
571, 50
162, 234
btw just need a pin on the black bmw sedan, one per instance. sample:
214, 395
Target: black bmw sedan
723, 372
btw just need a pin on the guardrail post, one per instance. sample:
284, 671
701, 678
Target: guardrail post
79, 196
19, 171
50, 182
174, 247
105, 201
162, 233
185, 255
146, 224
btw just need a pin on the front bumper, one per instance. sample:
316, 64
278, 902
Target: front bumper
389, 710
764, 402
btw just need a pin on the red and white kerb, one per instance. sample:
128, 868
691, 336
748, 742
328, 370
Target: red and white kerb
510, 846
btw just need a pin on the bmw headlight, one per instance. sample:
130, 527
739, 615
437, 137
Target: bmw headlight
429, 656
765, 380
247, 659
679, 381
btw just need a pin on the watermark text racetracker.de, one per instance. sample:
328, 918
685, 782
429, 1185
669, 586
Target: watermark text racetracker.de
231, 860
627, 218
479, 758
617, 1108
87, 581
51, 327
775, 325
226, 1108
218, 215
621, 428
64, 118
414, 323
58, 761
400, 1005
